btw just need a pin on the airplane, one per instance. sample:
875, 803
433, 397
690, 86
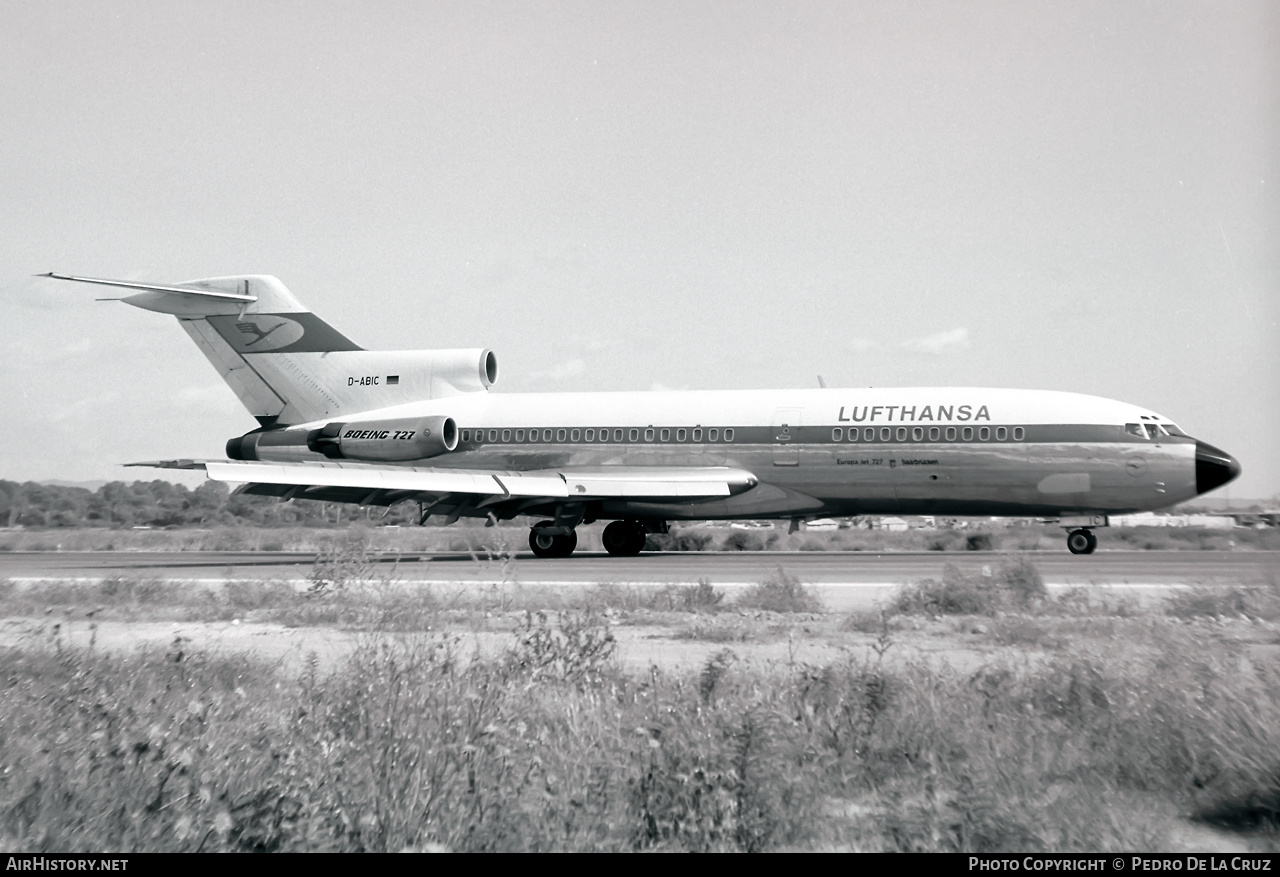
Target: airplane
339, 423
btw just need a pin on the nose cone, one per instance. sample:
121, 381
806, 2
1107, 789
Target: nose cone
1214, 468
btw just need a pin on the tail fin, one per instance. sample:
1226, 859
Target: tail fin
288, 366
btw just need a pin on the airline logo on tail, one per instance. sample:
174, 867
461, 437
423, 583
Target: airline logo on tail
257, 329
279, 333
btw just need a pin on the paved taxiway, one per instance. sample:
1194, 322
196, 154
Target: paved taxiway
845, 579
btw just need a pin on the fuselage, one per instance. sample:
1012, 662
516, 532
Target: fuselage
946, 451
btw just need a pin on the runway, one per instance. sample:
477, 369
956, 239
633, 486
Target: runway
845, 578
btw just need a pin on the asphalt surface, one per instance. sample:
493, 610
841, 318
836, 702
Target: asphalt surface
826, 567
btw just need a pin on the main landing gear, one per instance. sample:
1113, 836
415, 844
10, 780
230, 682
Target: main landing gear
623, 538
1081, 541
548, 540
620, 538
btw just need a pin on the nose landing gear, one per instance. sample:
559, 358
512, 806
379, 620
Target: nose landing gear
1081, 541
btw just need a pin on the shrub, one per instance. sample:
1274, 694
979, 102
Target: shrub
979, 542
781, 592
580, 649
670, 598
342, 563
863, 621
702, 597
719, 768
722, 629
1022, 580
956, 594
743, 540
1261, 601
1014, 583
946, 540
680, 540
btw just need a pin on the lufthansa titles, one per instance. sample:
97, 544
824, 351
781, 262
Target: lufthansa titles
915, 413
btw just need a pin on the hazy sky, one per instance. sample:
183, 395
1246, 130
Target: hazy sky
1060, 195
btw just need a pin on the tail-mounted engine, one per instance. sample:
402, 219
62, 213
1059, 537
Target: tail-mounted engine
374, 441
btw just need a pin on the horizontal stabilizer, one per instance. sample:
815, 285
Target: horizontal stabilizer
152, 287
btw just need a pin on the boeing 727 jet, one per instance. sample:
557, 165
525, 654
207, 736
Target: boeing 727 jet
340, 423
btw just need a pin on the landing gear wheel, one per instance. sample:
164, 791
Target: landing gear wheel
1081, 542
623, 538
547, 545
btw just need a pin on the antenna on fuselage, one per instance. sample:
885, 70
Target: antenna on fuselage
822, 385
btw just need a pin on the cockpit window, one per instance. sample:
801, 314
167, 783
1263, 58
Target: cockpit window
1135, 429
1172, 429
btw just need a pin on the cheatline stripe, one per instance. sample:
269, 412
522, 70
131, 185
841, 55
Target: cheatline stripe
487, 435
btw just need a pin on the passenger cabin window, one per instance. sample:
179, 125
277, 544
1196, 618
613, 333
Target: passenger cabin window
574, 435
648, 434
665, 435
519, 435
917, 433
868, 434
466, 435
934, 432
546, 435
617, 435
951, 433
713, 435
902, 433
837, 434
1001, 433
967, 434
885, 432
853, 434
697, 435
984, 433
590, 435
728, 434
680, 435
506, 435
1018, 433
633, 435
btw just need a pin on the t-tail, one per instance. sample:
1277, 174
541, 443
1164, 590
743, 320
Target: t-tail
288, 366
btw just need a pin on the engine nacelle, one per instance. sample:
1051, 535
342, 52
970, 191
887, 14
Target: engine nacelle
375, 441
386, 441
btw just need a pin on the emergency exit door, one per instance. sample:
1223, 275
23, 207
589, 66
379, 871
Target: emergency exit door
786, 437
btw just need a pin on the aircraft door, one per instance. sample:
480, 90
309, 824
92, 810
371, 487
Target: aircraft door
786, 437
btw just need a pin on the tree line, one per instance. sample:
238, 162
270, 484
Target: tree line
165, 504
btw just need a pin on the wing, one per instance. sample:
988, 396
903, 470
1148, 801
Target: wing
472, 492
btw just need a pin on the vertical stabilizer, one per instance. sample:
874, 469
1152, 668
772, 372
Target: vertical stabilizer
288, 366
